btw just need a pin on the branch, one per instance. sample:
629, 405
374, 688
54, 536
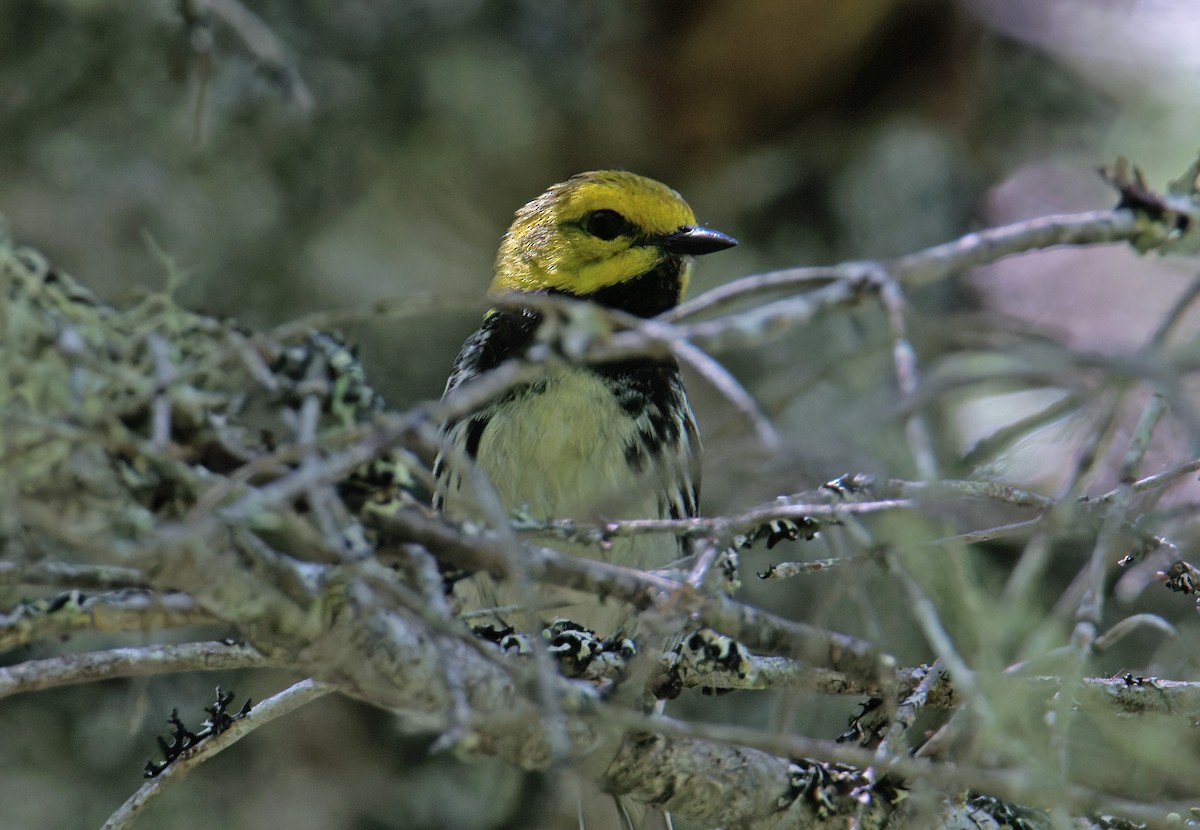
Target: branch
72, 669
479, 551
70, 575
274, 707
124, 611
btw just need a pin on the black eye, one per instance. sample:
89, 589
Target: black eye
605, 224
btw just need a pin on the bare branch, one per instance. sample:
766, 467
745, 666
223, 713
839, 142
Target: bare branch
70, 575
72, 669
274, 707
116, 612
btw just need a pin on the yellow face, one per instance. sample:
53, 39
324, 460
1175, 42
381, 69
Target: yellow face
590, 232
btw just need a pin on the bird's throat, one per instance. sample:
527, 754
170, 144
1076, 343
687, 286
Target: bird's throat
508, 332
647, 295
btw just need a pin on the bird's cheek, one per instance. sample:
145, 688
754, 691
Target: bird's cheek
618, 268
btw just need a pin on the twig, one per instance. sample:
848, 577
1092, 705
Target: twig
935, 263
72, 669
1162, 479
71, 575
261, 43
1089, 612
1176, 314
109, 612
1006, 436
1090, 607
788, 570
1124, 694
433, 597
904, 360
720, 527
989, 245
939, 491
906, 713
1124, 627
989, 534
1023, 578
733, 391
274, 707
771, 282
943, 644
1103, 433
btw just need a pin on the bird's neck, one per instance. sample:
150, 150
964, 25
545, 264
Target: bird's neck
647, 295
509, 332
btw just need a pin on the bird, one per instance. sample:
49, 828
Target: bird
606, 440
583, 440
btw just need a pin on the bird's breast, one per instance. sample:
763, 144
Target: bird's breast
557, 448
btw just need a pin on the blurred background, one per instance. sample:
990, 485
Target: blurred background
274, 158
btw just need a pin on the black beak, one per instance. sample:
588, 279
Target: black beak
695, 241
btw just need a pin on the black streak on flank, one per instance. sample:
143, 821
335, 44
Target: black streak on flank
635, 456
475, 428
505, 334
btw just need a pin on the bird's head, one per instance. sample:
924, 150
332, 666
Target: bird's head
617, 238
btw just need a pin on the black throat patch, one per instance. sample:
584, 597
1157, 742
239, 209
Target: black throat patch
508, 332
646, 296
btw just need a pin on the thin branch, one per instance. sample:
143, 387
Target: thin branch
1161, 479
935, 492
73, 669
1005, 437
123, 611
906, 713
274, 707
982, 247
786, 280
1173, 317
784, 508
1125, 694
1090, 608
72, 575
926, 614
1128, 625
931, 264
728, 386
904, 361
1089, 612
262, 44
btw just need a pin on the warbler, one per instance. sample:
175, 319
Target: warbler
607, 440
